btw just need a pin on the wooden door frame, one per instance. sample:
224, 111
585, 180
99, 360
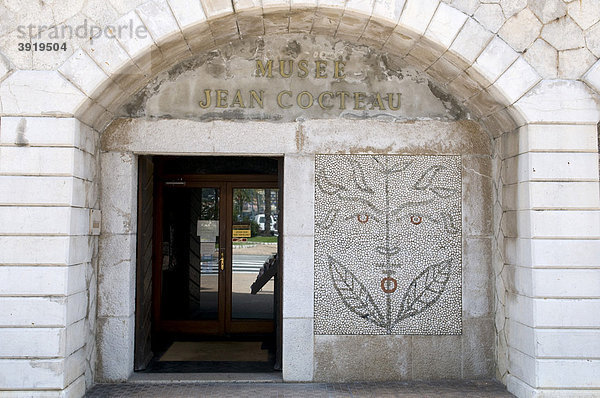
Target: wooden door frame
143, 304
226, 183
211, 327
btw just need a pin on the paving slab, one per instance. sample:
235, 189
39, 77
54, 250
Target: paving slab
222, 389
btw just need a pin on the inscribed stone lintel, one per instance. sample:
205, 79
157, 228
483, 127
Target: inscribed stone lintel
388, 245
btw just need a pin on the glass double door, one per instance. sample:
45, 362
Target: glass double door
218, 242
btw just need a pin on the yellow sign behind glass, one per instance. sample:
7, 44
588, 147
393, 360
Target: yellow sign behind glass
241, 231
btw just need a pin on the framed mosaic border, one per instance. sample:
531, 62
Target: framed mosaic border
388, 244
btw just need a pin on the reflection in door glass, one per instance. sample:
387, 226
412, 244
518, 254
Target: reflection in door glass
255, 239
190, 248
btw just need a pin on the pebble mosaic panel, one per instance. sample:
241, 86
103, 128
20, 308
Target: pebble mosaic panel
388, 245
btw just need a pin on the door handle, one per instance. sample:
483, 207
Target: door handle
222, 261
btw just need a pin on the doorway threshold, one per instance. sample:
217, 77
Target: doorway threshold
196, 378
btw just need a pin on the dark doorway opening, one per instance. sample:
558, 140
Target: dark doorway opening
209, 264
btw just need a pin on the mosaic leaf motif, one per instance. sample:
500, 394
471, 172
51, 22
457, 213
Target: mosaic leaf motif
328, 186
449, 224
353, 293
380, 220
425, 290
387, 250
427, 178
443, 192
329, 219
395, 168
359, 178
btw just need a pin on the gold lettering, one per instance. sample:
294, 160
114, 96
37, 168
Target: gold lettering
359, 97
321, 99
221, 99
303, 67
310, 102
320, 72
238, 100
391, 101
262, 70
342, 95
282, 68
280, 101
206, 103
256, 97
377, 102
338, 70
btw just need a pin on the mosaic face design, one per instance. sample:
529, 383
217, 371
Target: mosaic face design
388, 244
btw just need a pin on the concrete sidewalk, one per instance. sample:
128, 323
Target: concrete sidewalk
460, 389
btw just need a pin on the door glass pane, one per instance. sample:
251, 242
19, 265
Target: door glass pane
190, 273
255, 239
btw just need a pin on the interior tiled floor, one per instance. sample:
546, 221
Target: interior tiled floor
302, 390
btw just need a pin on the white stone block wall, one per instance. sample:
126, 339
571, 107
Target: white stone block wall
546, 201
48, 260
298, 271
116, 271
548, 295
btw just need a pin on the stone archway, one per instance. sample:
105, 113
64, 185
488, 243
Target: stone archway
504, 93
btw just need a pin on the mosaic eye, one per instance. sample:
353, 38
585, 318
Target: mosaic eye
363, 218
416, 220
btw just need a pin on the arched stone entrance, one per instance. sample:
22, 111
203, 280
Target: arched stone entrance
505, 95
306, 356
